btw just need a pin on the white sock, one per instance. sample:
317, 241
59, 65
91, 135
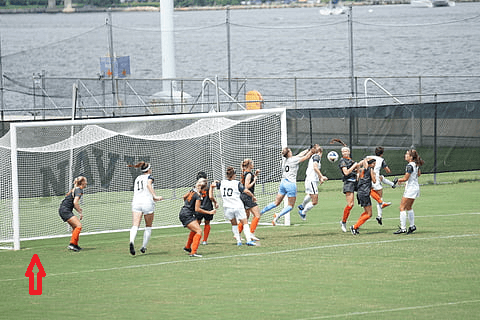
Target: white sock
403, 220
133, 233
379, 210
411, 217
236, 234
246, 231
146, 236
305, 200
308, 207
385, 180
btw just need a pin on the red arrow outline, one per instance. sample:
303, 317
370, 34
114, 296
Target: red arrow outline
29, 274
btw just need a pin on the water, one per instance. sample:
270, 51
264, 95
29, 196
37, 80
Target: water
393, 40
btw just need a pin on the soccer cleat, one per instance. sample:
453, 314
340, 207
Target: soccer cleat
251, 243
78, 248
72, 247
379, 220
255, 238
386, 204
300, 208
187, 249
400, 231
204, 243
143, 249
411, 229
302, 216
132, 249
195, 255
395, 181
239, 243
343, 225
353, 230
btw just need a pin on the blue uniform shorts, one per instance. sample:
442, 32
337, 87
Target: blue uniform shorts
288, 188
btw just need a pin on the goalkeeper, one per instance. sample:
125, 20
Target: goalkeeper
71, 201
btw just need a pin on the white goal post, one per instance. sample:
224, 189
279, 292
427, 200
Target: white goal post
39, 161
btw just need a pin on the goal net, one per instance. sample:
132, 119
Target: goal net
39, 161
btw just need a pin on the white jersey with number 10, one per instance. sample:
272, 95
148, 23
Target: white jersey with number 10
290, 168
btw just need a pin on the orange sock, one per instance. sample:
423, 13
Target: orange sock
375, 195
206, 232
190, 240
346, 213
75, 235
196, 242
254, 224
240, 227
363, 218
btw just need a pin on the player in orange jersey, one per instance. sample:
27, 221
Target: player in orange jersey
187, 215
208, 203
366, 177
249, 179
71, 201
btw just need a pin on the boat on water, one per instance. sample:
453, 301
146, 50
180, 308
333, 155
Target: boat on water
443, 3
431, 3
334, 7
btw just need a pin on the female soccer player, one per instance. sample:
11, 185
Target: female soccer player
348, 167
71, 201
313, 176
288, 186
366, 177
377, 189
249, 179
233, 208
208, 203
412, 191
192, 204
143, 204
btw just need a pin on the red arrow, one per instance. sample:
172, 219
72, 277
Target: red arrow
29, 274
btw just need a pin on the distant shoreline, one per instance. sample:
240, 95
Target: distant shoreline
236, 7
155, 8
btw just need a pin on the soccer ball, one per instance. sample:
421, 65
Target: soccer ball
332, 156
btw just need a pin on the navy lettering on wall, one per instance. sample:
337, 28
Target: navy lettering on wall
106, 175
49, 180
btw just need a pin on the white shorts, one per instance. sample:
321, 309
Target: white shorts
234, 213
311, 187
145, 208
411, 193
377, 185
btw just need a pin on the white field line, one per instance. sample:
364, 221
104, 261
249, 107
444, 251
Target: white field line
352, 314
191, 260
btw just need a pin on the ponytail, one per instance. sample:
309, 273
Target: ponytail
416, 157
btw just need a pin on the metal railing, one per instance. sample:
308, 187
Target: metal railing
22, 99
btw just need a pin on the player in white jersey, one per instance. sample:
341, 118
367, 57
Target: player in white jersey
377, 187
143, 204
288, 186
412, 191
313, 176
233, 209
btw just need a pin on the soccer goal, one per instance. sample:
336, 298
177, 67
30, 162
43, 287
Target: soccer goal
39, 161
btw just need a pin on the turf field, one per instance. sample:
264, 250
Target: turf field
310, 270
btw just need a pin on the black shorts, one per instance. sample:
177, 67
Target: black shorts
206, 217
65, 214
364, 200
186, 217
248, 202
349, 186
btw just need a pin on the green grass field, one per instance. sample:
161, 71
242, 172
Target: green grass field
309, 270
